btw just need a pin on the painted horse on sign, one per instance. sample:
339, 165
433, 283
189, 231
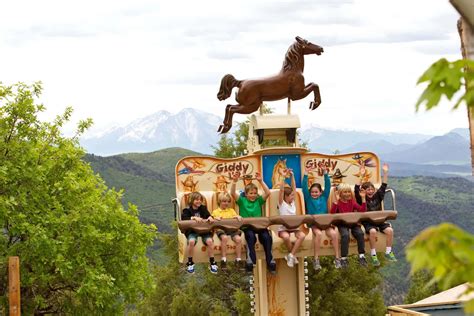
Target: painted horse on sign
288, 83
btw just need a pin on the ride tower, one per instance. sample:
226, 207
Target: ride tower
273, 146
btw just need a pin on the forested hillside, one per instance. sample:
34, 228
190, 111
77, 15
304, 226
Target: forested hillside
148, 181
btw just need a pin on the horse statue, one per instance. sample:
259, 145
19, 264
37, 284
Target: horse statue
288, 83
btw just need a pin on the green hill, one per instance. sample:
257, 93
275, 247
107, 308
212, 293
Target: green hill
422, 202
148, 181
146, 178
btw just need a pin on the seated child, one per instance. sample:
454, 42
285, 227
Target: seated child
374, 203
198, 212
250, 205
286, 206
344, 203
316, 201
223, 212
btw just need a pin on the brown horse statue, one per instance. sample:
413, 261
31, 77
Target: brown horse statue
288, 83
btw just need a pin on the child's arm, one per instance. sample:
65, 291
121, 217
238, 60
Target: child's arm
305, 184
385, 173
281, 194
334, 204
266, 190
206, 215
327, 182
363, 206
186, 215
234, 194
293, 182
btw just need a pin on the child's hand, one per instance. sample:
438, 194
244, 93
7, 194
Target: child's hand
385, 168
289, 172
197, 219
218, 218
362, 193
258, 176
307, 169
324, 168
236, 176
239, 218
210, 219
337, 195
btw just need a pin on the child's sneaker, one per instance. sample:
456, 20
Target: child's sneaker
344, 263
223, 265
190, 268
239, 265
316, 265
249, 267
337, 263
213, 268
390, 256
290, 261
272, 268
375, 261
363, 261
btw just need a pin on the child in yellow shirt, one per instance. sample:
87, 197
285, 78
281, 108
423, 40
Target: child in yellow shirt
225, 212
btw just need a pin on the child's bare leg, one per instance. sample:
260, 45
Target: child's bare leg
286, 239
224, 239
300, 236
210, 247
334, 237
191, 245
373, 238
238, 246
317, 240
389, 232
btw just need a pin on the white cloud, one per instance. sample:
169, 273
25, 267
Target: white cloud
115, 61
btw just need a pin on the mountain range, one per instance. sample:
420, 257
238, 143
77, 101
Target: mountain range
196, 130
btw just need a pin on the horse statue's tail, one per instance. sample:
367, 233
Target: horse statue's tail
227, 83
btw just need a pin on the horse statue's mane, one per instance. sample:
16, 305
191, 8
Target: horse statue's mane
288, 83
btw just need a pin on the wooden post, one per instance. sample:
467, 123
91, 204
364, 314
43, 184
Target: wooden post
14, 286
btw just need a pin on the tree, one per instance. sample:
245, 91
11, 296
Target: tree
80, 251
421, 287
177, 293
353, 291
447, 252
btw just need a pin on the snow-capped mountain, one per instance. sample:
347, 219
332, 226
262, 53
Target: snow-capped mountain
189, 128
197, 130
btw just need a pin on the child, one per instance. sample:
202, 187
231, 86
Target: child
199, 213
316, 201
344, 203
250, 205
286, 206
374, 203
224, 211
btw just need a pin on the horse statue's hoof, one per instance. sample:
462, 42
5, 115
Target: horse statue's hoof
224, 128
220, 128
314, 105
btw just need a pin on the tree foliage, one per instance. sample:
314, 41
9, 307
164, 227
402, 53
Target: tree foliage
352, 291
178, 293
446, 78
80, 251
446, 251
421, 287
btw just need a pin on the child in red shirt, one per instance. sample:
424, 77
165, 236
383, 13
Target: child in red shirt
345, 203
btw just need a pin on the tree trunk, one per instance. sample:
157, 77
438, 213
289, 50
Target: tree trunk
466, 33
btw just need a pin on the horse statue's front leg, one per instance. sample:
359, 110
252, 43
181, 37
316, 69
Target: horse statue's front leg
317, 97
227, 123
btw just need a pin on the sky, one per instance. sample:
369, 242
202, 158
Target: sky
116, 61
